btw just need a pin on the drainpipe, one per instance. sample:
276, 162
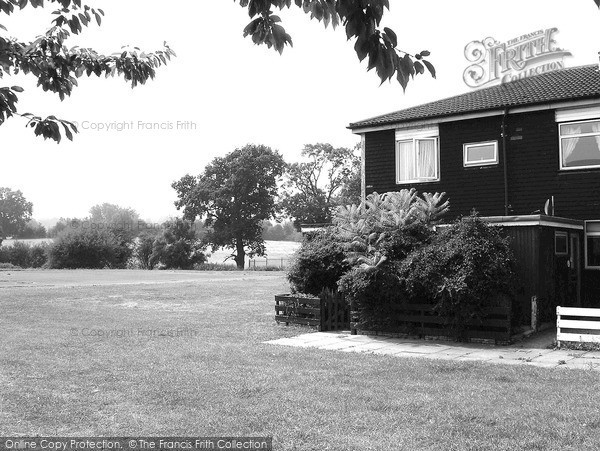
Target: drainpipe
504, 162
363, 180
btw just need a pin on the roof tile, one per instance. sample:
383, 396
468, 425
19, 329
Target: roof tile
565, 84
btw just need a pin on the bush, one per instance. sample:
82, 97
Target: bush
142, 251
318, 263
176, 247
88, 248
401, 242
372, 292
38, 255
23, 255
18, 254
466, 268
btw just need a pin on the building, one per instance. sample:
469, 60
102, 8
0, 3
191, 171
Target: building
525, 154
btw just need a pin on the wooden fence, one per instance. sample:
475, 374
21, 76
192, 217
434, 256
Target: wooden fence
281, 263
422, 320
327, 312
577, 329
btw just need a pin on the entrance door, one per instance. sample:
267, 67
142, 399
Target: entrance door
574, 269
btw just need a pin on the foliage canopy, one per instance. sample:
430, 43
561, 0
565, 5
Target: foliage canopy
57, 67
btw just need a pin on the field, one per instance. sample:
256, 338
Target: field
31, 242
121, 353
276, 252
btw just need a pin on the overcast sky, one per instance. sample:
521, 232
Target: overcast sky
237, 93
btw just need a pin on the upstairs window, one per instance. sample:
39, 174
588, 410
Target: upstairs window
480, 154
417, 160
579, 145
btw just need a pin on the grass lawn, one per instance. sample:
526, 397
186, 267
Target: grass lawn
82, 354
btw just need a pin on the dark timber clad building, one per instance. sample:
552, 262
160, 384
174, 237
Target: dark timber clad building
524, 153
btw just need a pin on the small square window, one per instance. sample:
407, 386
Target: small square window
480, 154
561, 240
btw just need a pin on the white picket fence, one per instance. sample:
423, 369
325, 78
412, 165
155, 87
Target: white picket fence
576, 329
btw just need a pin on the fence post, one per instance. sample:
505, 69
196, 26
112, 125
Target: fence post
534, 313
557, 326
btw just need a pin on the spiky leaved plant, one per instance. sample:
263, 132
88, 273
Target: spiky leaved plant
366, 226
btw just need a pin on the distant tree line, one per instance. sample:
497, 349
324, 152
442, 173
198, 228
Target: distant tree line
238, 202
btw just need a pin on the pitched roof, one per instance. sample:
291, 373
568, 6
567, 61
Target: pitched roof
566, 84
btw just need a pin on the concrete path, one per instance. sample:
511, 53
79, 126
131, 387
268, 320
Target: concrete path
517, 354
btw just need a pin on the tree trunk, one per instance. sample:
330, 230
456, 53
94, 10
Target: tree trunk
240, 254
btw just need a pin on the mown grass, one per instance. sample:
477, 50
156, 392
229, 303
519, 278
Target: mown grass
219, 378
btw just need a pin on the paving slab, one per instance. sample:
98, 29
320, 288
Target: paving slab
338, 345
392, 350
365, 347
553, 358
518, 354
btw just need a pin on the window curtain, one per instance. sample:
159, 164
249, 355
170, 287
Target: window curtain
596, 129
426, 159
569, 144
406, 161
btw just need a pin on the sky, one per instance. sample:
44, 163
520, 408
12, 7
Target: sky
230, 92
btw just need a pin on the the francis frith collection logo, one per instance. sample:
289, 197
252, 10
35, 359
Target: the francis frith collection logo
494, 62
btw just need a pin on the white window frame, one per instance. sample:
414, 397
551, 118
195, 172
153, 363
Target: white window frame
564, 235
585, 241
467, 146
581, 135
415, 141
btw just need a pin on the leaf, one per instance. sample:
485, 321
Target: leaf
393, 38
419, 69
430, 67
17, 88
67, 131
427, 52
4, 28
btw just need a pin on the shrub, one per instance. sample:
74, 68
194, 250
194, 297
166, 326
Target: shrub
38, 255
467, 267
88, 248
24, 255
177, 247
397, 244
142, 251
318, 263
18, 254
372, 292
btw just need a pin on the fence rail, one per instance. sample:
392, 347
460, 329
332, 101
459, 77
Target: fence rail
327, 312
579, 330
422, 320
268, 262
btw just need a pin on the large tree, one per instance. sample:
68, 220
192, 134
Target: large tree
121, 220
233, 195
361, 20
57, 67
15, 212
314, 188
